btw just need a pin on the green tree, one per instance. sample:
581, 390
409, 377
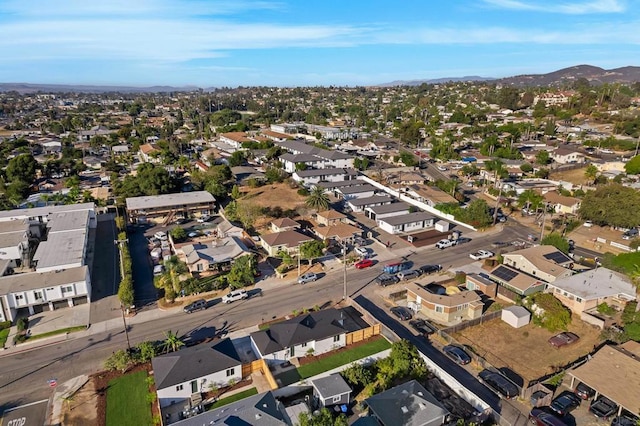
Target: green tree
477, 214
543, 158
556, 240
311, 250
170, 279
178, 233
610, 205
120, 360
526, 167
323, 418
357, 375
126, 293
591, 172
235, 192
22, 168
317, 199
172, 342
147, 350
361, 163
530, 199
237, 159
247, 213
243, 272
632, 167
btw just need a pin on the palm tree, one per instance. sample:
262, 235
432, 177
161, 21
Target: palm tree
170, 280
591, 172
318, 199
171, 342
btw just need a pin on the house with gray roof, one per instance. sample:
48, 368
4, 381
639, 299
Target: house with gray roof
180, 374
331, 390
311, 176
141, 209
316, 332
262, 409
216, 254
360, 204
386, 210
409, 404
409, 222
360, 191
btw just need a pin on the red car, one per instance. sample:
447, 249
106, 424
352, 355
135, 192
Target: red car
364, 263
563, 339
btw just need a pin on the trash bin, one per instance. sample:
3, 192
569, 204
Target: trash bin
537, 397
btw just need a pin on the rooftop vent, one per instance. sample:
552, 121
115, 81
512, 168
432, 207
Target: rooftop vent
404, 409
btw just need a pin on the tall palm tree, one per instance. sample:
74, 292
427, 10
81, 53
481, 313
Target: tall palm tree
171, 342
591, 172
317, 199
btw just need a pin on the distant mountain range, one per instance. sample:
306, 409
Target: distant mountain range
62, 88
595, 75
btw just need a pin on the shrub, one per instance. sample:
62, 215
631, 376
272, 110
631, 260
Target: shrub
461, 277
555, 316
303, 192
120, 360
605, 309
22, 324
5, 324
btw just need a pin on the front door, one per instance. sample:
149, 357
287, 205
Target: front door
194, 386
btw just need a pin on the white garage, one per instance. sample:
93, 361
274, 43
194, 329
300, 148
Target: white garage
516, 316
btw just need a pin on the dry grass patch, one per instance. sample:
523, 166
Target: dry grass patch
525, 350
273, 195
575, 176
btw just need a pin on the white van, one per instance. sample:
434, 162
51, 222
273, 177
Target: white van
161, 235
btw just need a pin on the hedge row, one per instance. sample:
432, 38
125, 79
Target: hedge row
125, 290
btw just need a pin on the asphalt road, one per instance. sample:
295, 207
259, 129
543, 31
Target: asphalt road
24, 376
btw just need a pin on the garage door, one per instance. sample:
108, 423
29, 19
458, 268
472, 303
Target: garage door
80, 300
60, 304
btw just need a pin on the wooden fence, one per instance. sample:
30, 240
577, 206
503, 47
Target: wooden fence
470, 323
259, 366
365, 333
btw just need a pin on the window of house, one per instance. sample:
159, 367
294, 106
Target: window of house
37, 295
231, 372
579, 300
336, 338
304, 345
336, 399
439, 309
19, 297
67, 289
179, 388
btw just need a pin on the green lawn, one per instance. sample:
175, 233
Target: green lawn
4, 333
127, 402
233, 398
56, 332
343, 357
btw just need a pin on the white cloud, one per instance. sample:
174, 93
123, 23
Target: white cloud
569, 8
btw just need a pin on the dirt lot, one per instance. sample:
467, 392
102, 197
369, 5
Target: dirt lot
274, 195
575, 176
526, 350
586, 237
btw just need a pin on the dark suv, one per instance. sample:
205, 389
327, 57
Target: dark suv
603, 408
195, 306
565, 403
542, 417
584, 391
499, 383
430, 269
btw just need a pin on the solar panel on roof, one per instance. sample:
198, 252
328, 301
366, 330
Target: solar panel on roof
505, 274
557, 257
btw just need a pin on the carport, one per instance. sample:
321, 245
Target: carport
614, 371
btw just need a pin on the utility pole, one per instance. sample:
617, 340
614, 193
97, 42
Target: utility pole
126, 331
544, 218
344, 261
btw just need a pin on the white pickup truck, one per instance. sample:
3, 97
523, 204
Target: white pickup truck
443, 244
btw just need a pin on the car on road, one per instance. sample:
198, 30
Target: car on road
603, 408
235, 295
402, 313
442, 168
364, 263
456, 353
386, 279
565, 403
308, 277
362, 252
422, 327
481, 254
204, 218
430, 269
542, 417
500, 384
563, 339
444, 243
195, 306
584, 391
499, 244
408, 275
462, 240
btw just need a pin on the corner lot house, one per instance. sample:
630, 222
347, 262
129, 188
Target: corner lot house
587, 290
316, 332
444, 308
562, 204
214, 255
409, 222
407, 404
287, 241
544, 262
180, 374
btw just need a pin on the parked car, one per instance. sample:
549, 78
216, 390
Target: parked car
193, 234
442, 168
462, 240
235, 295
386, 279
364, 263
542, 417
603, 408
158, 270
563, 339
422, 327
500, 384
457, 354
565, 403
394, 267
481, 254
430, 269
402, 313
204, 218
181, 221
626, 419
408, 275
307, 278
584, 391
631, 233
587, 224
443, 244
161, 235
195, 306
362, 252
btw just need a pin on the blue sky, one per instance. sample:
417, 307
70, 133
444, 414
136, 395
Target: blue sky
211, 43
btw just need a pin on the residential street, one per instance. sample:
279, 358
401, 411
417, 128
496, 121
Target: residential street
24, 376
